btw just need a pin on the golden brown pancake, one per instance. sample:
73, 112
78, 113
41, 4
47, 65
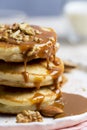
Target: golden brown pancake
36, 75
20, 42
14, 100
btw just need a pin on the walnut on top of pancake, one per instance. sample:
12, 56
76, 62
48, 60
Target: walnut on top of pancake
23, 32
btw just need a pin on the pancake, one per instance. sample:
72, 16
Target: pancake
14, 100
22, 41
36, 74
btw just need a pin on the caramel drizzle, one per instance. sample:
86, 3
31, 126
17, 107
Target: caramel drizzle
25, 73
37, 84
25, 50
37, 99
26, 76
57, 89
50, 55
47, 62
54, 51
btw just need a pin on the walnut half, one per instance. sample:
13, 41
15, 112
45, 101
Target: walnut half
28, 116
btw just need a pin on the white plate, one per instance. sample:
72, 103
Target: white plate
77, 83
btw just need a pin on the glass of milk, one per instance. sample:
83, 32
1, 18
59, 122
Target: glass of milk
76, 12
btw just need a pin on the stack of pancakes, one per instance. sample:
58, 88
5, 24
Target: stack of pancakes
30, 73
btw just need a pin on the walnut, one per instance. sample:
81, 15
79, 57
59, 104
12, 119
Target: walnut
37, 32
38, 40
27, 29
17, 36
23, 26
9, 31
4, 36
2, 27
45, 29
15, 26
29, 116
26, 38
30, 31
19, 33
52, 39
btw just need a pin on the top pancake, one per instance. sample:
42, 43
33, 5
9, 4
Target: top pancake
20, 41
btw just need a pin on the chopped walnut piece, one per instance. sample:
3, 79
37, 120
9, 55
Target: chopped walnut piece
23, 26
51, 39
37, 32
26, 38
17, 36
38, 40
27, 29
19, 33
4, 36
29, 116
9, 31
30, 31
15, 26
2, 27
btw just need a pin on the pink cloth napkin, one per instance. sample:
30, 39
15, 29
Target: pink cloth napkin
81, 126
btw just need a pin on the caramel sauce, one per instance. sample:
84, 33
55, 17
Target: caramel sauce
37, 85
25, 49
72, 104
25, 64
55, 72
58, 92
37, 82
26, 76
37, 99
49, 55
59, 103
54, 52
45, 35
